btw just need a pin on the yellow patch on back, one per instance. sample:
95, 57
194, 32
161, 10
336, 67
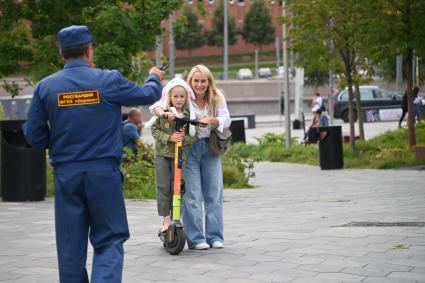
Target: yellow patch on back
78, 98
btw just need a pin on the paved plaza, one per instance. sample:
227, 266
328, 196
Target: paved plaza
286, 229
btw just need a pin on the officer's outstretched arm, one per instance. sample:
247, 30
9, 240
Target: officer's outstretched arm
130, 94
36, 129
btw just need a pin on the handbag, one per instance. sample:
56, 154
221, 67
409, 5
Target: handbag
219, 142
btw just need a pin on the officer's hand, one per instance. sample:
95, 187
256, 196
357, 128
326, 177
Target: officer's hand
158, 72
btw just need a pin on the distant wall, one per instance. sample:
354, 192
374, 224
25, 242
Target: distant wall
259, 97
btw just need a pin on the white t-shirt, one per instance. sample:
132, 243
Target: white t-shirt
319, 101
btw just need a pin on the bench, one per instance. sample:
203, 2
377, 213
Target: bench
249, 120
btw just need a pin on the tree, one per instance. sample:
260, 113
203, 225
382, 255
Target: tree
258, 26
215, 35
397, 27
338, 21
121, 30
191, 35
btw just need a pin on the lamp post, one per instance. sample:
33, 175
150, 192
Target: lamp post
331, 86
226, 41
171, 56
286, 81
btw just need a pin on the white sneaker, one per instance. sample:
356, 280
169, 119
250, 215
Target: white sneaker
217, 245
202, 246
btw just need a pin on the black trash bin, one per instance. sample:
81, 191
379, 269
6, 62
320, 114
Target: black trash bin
23, 169
237, 127
330, 148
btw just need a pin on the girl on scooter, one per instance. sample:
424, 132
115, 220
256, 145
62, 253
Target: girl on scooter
176, 94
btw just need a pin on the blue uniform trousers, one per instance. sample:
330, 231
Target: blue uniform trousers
90, 204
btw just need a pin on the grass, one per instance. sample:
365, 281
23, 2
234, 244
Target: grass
385, 151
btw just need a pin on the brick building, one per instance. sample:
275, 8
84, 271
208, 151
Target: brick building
237, 9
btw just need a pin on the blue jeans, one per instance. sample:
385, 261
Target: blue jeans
204, 183
90, 204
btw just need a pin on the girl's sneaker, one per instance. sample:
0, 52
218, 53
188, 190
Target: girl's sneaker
166, 223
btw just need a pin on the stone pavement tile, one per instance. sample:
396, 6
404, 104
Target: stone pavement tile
344, 263
198, 278
37, 279
340, 277
229, 274
262, 258
320, 267
419, 270
407, 276
153, 276
408, 262
209, 266
304, 259
10, 276
266, 267
366, 271
386, 280
313, 280
241, 281
271, 277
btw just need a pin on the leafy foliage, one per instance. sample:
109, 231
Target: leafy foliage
2, 115
191, 35
258, 27
120, 29
215, 36
389, 150
139, 174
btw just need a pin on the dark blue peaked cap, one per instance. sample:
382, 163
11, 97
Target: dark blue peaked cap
74, 35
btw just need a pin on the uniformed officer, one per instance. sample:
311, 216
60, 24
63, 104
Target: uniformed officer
76, 114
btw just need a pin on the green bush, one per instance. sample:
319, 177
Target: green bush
49, 181
139, 182
389, 150
237, 170
2, 114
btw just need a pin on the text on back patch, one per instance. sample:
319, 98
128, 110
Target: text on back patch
77, 98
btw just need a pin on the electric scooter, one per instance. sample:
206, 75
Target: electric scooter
174, 238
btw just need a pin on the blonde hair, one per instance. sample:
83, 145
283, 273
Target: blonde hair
211, 97
170, 93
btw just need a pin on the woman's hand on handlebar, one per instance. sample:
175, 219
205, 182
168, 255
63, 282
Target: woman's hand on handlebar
208, 121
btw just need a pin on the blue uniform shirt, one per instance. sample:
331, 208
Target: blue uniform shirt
129, 135
76, 112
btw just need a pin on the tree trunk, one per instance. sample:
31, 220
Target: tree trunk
410, 119
359, 112
349, 75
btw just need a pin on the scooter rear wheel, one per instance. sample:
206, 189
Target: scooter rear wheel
175, 247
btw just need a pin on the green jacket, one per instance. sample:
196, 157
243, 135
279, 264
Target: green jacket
162, 130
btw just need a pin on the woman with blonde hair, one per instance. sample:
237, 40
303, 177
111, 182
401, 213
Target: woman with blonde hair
203, 175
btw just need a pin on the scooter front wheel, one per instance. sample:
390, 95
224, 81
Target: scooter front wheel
176, 246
